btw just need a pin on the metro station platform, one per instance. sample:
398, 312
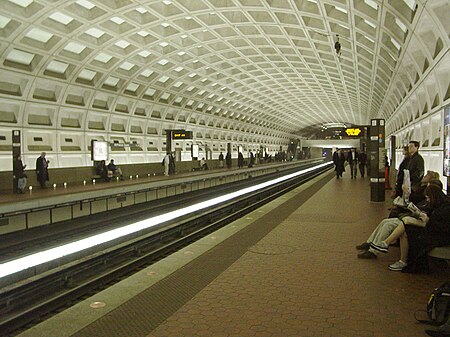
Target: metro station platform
287, 269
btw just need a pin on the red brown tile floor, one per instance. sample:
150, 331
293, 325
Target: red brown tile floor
303, 279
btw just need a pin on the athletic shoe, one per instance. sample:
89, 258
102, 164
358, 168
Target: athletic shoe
366, 255
363, 246
398, 266
380, 246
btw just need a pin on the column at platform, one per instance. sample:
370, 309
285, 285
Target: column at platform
377, 154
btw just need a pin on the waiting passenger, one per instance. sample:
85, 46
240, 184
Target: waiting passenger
203, 164
388, 225
221, 160
398, 191
19, 173
116, 171
416, 197
42, 169
166, 163
240, 160
103, 172
171, 164
421, 240
416, 165
228, 160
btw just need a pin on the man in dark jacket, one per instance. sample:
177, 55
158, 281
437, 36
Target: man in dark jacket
42, 169
416, 165
338, 160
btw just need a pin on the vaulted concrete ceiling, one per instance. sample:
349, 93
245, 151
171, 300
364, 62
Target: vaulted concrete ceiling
261, 64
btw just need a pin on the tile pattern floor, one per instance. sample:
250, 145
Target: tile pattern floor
303, 279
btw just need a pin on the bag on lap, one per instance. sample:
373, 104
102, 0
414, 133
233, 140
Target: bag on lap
438, 306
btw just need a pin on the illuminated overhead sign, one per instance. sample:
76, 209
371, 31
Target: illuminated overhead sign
181, 134
353, 132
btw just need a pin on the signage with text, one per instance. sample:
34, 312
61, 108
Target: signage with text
181, 134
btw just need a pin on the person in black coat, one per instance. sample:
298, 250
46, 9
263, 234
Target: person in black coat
240, 160
19, 173
362, 163
228, 160
416, 165
42, 169
338, 160
436, 233
398, 191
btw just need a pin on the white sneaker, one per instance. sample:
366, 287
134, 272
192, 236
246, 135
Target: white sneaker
398, 266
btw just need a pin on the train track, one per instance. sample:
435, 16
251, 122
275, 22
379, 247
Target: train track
30, 301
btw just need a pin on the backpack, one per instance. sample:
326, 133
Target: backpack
438, 307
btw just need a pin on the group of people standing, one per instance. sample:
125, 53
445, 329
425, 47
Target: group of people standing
419, 218
355, 159
20, 176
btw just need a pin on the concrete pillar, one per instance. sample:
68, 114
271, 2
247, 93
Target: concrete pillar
376, 155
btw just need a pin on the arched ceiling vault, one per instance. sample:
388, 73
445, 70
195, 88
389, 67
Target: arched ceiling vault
270, 66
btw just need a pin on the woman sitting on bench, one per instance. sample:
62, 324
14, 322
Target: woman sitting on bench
415, 241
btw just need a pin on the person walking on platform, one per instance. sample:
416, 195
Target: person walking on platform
362, 163
228, 160
416, 165
352, 160
20, 177
338, 160
221, 160
42, 169
166, 163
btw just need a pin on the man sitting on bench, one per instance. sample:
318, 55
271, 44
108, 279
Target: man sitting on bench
116, 171
203, 164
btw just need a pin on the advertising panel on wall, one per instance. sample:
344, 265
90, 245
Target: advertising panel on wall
447, 141
99, 150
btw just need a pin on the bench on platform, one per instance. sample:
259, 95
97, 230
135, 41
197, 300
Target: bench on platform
440, 252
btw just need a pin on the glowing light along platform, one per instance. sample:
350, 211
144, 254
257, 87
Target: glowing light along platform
33, 260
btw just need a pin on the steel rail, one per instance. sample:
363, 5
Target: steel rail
58, 288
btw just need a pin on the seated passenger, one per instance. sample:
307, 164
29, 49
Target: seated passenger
416, 197
387, 226
203, 164
116, 171
103, 171
415, 241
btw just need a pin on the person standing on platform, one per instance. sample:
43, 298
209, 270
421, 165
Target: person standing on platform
240, 160
166, 163
362, 158
19, 174
338, 160
228, 160
353, 162
416, 165
251, 159
221, 160
42, 169
398, 191
171, 164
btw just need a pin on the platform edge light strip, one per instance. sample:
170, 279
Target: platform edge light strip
33, 260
